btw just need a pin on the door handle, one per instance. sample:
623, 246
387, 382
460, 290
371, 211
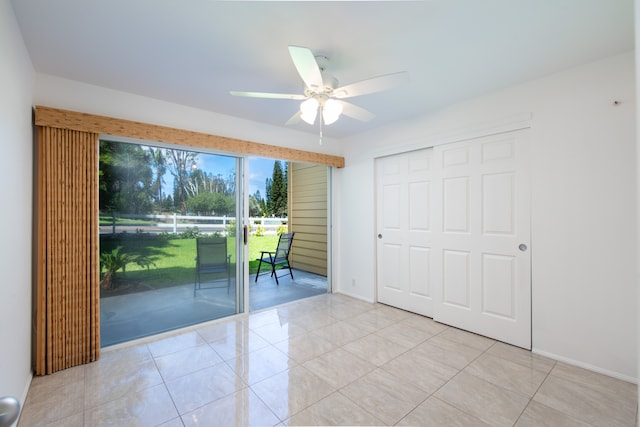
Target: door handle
9, 410
522, 247
245, 234
379, 236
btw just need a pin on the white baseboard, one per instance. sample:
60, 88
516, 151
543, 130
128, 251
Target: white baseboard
587, 366
359, 297
23, 398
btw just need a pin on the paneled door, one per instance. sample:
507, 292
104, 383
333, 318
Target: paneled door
453, 235
481, 237
403, 184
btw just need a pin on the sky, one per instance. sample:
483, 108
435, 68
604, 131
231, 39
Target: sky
259, 170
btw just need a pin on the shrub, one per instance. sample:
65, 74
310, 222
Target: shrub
206, 236
190, 233
111, 262
230, 229
165, 235
115, 260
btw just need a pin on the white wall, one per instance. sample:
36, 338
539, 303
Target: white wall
52, 91
583, 216
637, 33
16, 171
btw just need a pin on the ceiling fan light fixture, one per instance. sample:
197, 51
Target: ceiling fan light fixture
309, 110
321, 90
331, 111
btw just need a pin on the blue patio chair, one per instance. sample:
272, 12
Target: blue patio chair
212, 259
279, 258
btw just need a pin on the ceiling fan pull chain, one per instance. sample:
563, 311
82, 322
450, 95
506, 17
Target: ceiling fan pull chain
320, 124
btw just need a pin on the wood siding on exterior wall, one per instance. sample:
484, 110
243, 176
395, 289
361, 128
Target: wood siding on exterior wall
308, 213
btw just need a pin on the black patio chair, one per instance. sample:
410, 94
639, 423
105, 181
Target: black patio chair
279, 258
212, 258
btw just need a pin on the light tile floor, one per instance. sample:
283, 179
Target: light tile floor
327, 360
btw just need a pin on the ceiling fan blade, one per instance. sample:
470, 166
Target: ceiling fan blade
375, 84
356, 112
307, 67
295, 119
268, 95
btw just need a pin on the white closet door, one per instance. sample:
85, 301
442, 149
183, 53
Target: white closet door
481, 237
403, 184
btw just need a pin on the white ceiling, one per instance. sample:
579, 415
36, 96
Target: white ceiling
193, 52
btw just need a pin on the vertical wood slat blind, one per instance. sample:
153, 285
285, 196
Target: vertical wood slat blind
67, 286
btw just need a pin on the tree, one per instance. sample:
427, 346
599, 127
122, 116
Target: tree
276, 189
201, 204
200, 181
167, 204
159, 162
180, 163
224, 205
211, 204
125, 178
106, 175
257, 205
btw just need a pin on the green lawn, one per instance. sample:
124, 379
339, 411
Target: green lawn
173, 260
108, 220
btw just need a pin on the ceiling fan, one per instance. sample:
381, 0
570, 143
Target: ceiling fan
322, 93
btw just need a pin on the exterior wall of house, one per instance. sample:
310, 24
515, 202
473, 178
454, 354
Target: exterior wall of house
16, 175
308, 208
584, 289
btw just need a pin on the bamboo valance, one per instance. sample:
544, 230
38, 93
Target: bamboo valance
64, 119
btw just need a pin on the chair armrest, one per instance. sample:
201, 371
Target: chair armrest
263, 258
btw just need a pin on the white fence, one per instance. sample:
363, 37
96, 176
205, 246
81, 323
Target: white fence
177, 223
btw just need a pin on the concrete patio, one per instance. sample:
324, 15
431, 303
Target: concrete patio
136, 315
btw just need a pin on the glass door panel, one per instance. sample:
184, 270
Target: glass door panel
171, 239
287, 198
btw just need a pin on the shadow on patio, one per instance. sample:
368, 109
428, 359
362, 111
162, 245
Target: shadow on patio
140, 314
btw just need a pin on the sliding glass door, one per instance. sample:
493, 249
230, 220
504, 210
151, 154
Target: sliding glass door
181, 232
171, 238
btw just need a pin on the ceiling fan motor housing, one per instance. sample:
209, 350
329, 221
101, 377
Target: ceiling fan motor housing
329, 82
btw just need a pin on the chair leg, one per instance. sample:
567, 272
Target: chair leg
290, 271
273, 273
258, 273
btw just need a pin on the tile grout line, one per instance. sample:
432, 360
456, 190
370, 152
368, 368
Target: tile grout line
458, 373
164, 383
381, 367
533, 395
